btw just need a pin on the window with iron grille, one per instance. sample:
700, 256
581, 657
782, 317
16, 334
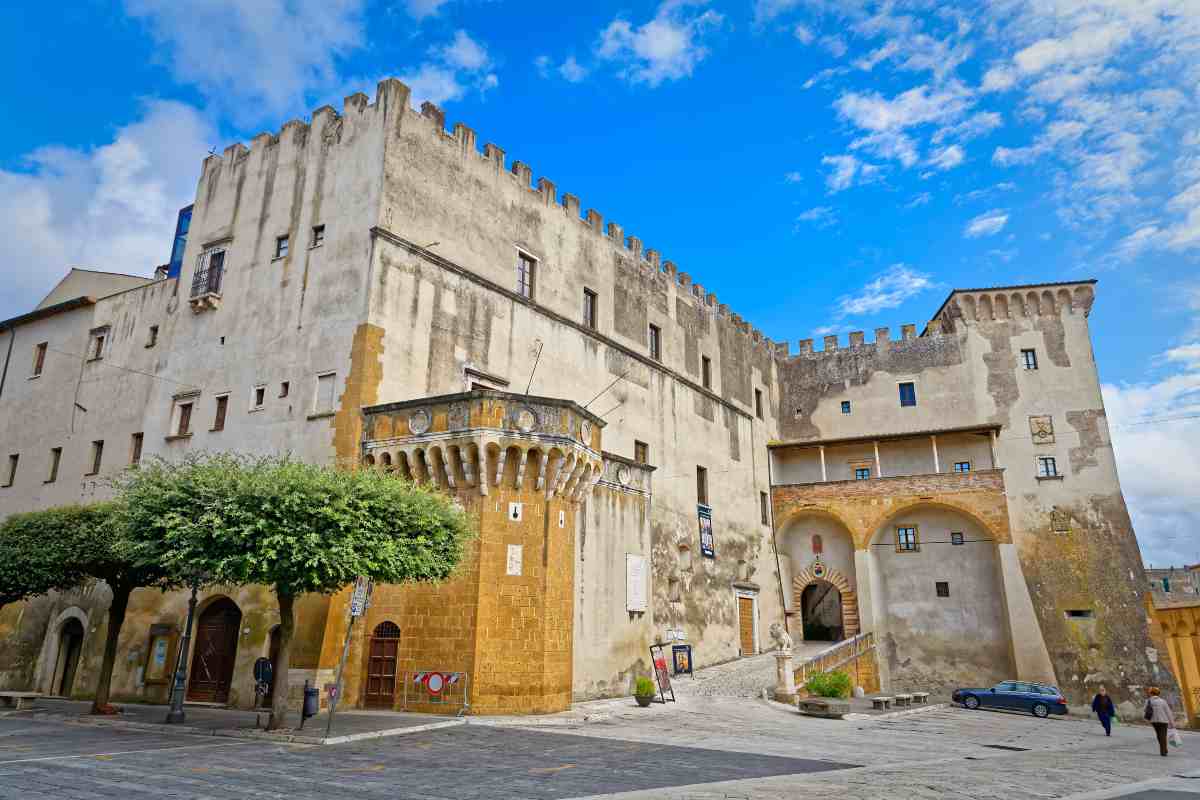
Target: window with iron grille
907, 540
862, 473
845, 406
942, 588
962, 466
209, 271
1047, 467
1029, 359
956, 537
526, 264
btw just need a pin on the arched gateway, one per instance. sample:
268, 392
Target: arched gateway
810, 592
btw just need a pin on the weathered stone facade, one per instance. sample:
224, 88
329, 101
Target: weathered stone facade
344, 274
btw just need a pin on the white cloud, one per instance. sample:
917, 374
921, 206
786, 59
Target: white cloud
111, 208
1157, 446
803, 34
834, 45
464, 53
820, 217
947, 158
255, 58
767, 10
454, 69
889, 290
978, 124
668, 47
793, 177
988, 223
917, 106
572, 71
846, 170
420, 9
920, 200
433, 83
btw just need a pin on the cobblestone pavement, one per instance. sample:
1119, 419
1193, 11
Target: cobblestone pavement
745, 677
701, 748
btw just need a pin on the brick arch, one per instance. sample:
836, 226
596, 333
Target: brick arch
996, 523
849, 598
788, 516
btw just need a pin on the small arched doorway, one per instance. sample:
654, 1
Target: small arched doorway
821, 612
216, 648
382, 655
70, 645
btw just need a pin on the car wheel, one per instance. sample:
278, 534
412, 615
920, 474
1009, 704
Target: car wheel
1041, 710
971, 702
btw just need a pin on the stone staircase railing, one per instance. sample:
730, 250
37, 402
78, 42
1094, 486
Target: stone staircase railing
836, 656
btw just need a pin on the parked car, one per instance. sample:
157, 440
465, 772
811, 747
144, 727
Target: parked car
1035, 698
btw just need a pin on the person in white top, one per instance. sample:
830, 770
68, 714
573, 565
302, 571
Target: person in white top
1159, 714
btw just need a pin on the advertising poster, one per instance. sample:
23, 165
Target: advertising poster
707, 547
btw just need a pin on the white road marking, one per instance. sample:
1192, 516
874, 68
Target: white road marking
124, 752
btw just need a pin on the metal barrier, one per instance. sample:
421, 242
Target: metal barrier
834, 657
427, 689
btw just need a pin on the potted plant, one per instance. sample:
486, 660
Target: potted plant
643, 691
827, 695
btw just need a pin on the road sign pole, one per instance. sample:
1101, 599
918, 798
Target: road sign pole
360, 599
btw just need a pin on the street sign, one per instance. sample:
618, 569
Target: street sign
362, 594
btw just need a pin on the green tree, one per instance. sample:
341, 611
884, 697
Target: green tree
297, 527
62, 547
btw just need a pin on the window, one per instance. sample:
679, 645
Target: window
209, 270
702, 486
153, 338
97, 456
758, 405
589, 308
39, 358
641, 452
318, 235
11, 475
907, 541
326, 386
962, 466
908, 394
956, 537
185, 419
845, 406
1079, 613
763, 504
96, 345
281, 246
222, 408
525, 269
1047, 468
942, 588
260, 396
862, 473
283, 389
135, 449
655, 343
706, 371
55, 460
1029, 359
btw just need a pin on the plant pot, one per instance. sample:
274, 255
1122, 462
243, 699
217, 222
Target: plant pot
644, 700
827, 707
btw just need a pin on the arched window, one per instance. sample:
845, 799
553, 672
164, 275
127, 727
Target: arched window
817, 545
386, 630
369, 460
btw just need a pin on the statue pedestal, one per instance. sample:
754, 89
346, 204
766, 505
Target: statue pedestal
785, 678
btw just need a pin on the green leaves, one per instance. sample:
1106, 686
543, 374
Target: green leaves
284, 523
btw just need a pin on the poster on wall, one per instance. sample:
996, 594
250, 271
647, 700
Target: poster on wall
635, 582
707, 548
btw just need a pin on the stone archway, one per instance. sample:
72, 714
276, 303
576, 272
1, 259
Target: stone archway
48, 660
850, 626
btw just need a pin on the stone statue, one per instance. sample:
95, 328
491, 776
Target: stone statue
782, 639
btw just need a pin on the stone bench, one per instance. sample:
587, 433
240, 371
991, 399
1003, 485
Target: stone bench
902, 700
18, 700
881, 703
920, 698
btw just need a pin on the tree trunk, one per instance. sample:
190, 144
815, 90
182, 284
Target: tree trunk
287, 624
116, 618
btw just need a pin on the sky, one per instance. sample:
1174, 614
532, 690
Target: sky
822, 165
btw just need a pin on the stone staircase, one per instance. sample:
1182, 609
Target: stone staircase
855, 656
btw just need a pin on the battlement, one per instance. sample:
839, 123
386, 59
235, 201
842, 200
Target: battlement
856, 341
1000, 303
394, 97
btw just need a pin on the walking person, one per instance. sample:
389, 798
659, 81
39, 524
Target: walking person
1103, 707
1159, 714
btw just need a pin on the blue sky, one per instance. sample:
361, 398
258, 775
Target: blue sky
822, 165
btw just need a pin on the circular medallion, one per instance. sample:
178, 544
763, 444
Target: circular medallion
585, 432
418, 422
623, 475
526, 420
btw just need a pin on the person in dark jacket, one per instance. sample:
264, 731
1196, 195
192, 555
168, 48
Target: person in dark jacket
1103, 707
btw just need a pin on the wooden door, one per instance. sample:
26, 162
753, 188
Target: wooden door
746, 624
216, 648
382, 654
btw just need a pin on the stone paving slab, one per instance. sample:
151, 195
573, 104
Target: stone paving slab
207, 720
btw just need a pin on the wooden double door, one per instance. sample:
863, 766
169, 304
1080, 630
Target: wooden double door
215, 651
383, 652
746, 625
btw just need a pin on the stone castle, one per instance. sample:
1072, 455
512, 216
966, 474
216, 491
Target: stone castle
369, 291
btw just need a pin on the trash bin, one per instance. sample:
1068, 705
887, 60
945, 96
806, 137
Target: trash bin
312, 701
